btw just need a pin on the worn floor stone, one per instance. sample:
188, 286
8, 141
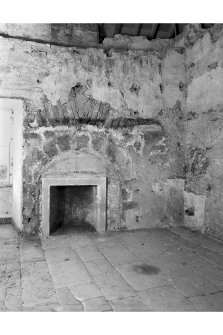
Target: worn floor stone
202, 305
118, 255
2, 306
62, 254
86, 291
13, 298
215, 299
129, 304
68, 273
65, 297
190, 287
31, 250
99, 304
72, 308
165, 298
37, 285
43, 308
141, 276
113, 286
145, 270
9, 254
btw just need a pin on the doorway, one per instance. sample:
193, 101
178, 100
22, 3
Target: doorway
11, 120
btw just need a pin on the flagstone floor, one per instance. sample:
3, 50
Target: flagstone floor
144, 270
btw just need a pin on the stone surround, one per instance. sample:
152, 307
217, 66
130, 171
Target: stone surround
99, 206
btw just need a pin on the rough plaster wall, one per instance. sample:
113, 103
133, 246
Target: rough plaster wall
131, 84
203, 128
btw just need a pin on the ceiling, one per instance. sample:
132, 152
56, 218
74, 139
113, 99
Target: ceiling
150, 30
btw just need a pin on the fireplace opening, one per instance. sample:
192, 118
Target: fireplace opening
72, 207
77, 203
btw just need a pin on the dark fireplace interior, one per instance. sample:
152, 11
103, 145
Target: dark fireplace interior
72, 208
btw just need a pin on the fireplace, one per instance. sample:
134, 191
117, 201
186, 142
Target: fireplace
78, 202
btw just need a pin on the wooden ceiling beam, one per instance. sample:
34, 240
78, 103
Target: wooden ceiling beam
171, 32
155, 30
139, 28
177, 30
100, 32
118, 29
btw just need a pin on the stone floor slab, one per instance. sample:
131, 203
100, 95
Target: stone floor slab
129, 304
9, 254
216, 299
113, 286
99, 266
31, 250
3, 307
99, 304
65, 297
166, 298
141, 276
37, 285
13, 299
43, 308
68, 274
118, 255
90, 254
86, 291
62, 254
201, 304
190, 287
72, 308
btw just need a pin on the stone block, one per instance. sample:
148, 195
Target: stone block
37, 285
194, 207
63, 142
113, 286
68, 274
86, 291
141, 280
50, 149
96, 305
166, 298
66, 298
129, 304
82, 141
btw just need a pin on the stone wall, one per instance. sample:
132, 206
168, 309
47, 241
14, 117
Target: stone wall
203, 128
126, 107
152, 116
136, 43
